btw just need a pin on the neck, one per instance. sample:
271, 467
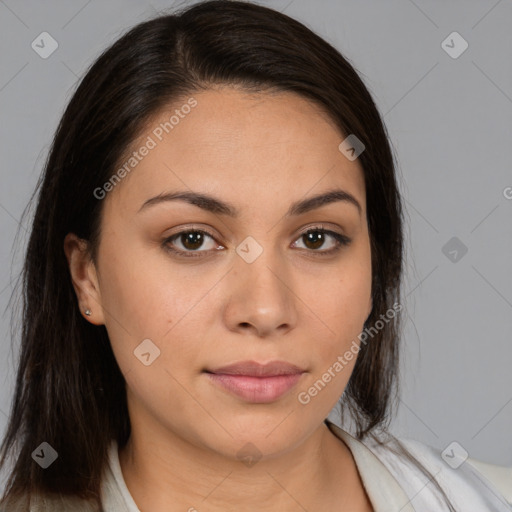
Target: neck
163, 470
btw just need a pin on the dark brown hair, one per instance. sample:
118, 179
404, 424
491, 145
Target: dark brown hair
70, 391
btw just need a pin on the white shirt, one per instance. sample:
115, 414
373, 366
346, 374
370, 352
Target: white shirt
393, 483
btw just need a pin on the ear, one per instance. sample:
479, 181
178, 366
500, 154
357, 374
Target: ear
84, 278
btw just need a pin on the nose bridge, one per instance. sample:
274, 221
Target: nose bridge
261, 268
261, 293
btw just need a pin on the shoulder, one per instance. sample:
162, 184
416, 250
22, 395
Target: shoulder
499, 476
468, 483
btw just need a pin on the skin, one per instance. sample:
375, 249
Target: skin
260, 152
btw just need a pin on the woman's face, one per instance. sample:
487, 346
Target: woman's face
253, 287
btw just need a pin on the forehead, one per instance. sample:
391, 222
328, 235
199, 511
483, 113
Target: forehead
245, 147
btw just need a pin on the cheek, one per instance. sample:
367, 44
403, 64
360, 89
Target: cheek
346, 311
131, 294
351, 299
343, 307
144, 301
346, 301
134, 293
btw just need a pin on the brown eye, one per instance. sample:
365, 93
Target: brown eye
191, 243
186, 243
192, 240
316, 238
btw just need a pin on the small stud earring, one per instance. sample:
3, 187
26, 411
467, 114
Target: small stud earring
88, 312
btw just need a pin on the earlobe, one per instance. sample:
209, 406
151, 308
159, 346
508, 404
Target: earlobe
84, 278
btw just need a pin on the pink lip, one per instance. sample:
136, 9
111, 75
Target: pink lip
255, 382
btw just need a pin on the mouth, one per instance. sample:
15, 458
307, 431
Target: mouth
255, 382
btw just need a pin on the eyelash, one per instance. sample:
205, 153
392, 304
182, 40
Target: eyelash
341, 241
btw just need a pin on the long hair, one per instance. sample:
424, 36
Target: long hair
69, 389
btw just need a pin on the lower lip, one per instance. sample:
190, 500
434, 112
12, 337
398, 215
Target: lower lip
256, 389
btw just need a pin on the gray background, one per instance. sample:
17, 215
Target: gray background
449, 120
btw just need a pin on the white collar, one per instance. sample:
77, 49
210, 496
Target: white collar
384, 491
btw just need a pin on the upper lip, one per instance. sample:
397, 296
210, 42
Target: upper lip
255, 369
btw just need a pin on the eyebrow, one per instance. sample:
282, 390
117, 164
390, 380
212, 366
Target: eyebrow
214, 205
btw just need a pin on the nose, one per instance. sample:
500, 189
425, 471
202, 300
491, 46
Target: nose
261, 299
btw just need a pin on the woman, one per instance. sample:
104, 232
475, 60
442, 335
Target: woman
215, 260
